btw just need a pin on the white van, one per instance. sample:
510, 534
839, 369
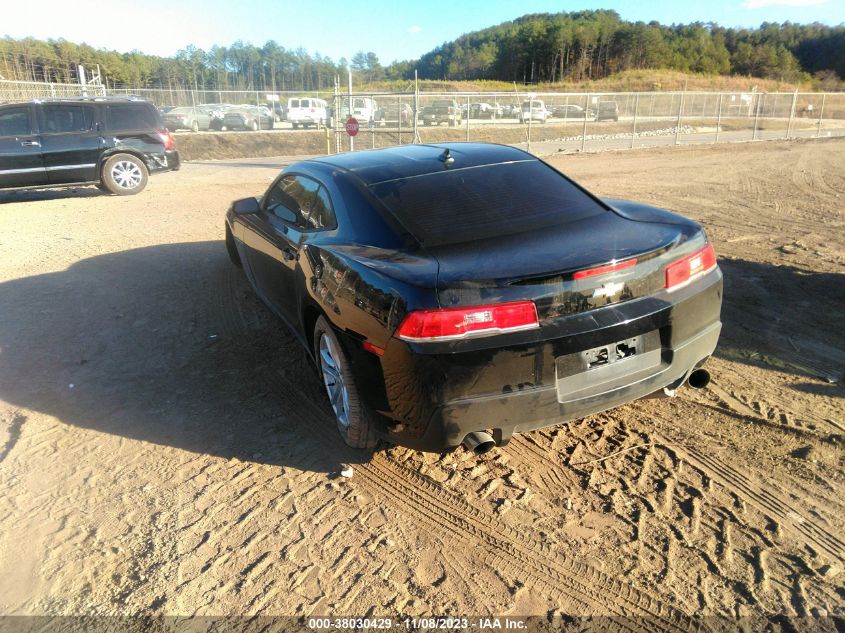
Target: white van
363, 108
307, 111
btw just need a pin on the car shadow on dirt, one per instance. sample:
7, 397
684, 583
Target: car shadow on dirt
786, 318
38, 195
168, 345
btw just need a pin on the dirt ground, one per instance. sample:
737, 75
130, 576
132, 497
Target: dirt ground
165, 448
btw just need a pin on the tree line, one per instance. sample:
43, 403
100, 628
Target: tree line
583, 45
548, 47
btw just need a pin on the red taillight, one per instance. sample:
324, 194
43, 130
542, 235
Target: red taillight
167, 139
683, 271
601, 270
455, 323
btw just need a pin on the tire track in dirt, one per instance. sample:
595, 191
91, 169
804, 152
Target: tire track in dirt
439, 509
766, 498
558, 576
655, 487
767, 501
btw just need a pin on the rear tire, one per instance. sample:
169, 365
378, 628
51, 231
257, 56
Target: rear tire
124, 175
355, 421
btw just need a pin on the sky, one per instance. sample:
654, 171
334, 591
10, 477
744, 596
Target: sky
392, 30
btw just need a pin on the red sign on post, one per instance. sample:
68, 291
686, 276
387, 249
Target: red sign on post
352, 126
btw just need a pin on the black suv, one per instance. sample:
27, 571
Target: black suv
112, 143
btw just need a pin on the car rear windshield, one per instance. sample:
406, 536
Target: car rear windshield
463, 205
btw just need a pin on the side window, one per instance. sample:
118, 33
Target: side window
306, 198
321, 215
132, 116
15, 122
67, 118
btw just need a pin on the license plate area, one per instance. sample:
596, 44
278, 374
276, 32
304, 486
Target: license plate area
607, 367
613, 353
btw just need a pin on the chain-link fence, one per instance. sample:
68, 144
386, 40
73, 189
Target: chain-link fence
542, 122
551, 122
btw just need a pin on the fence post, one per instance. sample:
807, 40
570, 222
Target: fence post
336, 117
756, 117
791, 113
416, 106
634, 128
821, 112
584, 130
718, 119
678, 124
373, 125
398, 116
530, 116
467, 126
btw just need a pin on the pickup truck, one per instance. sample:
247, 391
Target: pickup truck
442, 111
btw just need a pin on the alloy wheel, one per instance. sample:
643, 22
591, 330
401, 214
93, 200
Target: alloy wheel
333, 379
126, 174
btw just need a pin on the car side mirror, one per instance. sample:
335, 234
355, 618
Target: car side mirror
245, 206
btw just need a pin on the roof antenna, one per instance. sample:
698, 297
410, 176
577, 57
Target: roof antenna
446, 157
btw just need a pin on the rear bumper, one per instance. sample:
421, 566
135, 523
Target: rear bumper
167, 161
436, 396
174, 162
518, 412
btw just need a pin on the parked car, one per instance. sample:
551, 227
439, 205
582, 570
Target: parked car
280, 110
217, 112
188, 118
571, 111
533, 110
248, 118
482, 111
166, 108
364, 109
112, 143
396, 114
446, 292
607, 111
305, 111
442, 111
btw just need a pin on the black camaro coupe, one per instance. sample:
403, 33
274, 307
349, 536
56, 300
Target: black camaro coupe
460, 293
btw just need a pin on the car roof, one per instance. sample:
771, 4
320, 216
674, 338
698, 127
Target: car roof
407, 161
91, 100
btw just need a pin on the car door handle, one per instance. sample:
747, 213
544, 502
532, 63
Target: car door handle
289, 254
30, 143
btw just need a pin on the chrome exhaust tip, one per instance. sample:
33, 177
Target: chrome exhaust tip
699, 379
479, 442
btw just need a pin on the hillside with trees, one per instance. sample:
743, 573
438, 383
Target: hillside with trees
595, 44
559, 48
